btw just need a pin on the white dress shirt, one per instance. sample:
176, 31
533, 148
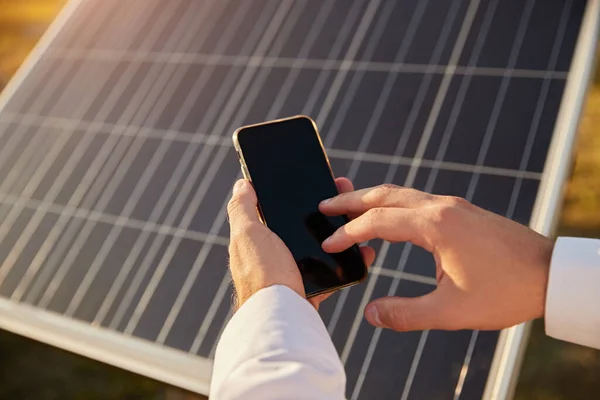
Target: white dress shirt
276, 345
573, 294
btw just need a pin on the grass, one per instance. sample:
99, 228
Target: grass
581, 211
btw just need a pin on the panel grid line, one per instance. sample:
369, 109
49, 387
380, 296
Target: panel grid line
165, 230
191, 138
500, 97
218, 223
170, 191
543, 96
409, 181
541, 101
449, 130
41, 100
110, 219
409, 123
88, 191
483, 151
28, 191
293, 63
340, 76
356, 161
357, 78
57, 228
278, 45
282, 12
36, 179
146, 94
169, 75
309, 105
265, 42
291, 78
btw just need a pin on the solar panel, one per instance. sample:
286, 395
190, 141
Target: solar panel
116, 164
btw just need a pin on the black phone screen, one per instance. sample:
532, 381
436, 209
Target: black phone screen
290, 173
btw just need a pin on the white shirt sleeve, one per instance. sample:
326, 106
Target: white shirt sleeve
276, 347
573, 295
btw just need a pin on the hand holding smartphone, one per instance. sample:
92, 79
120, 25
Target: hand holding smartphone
288, 167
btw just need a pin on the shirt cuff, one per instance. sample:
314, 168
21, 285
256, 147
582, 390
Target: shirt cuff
279, 337
573, 294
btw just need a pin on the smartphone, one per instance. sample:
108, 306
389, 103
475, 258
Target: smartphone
286, 162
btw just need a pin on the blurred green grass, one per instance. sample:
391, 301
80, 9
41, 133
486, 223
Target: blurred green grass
31, 370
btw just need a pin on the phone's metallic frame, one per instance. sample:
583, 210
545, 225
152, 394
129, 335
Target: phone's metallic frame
246, 174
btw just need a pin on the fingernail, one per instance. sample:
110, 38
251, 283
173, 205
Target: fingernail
373, 316
325, 201
328, 240
238, 185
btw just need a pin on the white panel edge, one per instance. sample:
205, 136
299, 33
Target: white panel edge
504, 373
143, 357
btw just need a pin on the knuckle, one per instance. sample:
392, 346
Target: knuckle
382, 192
373, 219
374, 215
234, 203
399, 319
455, 201
414, 191
448, 209
420, 196
340, 197
442, 215
388, 187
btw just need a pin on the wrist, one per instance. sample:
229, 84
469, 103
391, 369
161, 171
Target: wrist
244, 292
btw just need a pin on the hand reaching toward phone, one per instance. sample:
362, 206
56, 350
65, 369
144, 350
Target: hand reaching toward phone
492, 273
257, 257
